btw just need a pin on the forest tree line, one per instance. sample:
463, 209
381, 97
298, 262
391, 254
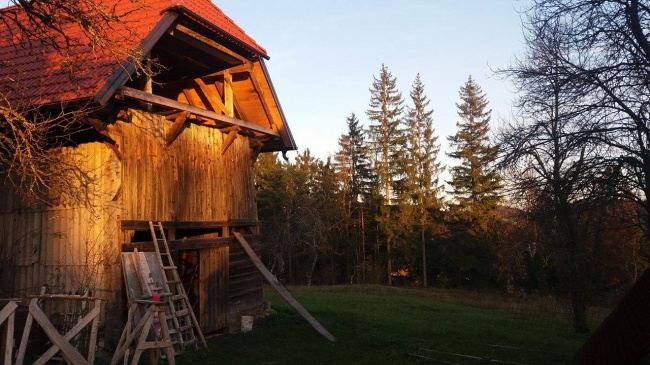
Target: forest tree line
553, 201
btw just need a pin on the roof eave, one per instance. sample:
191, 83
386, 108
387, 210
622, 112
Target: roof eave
287, 138
124, 71
225, 33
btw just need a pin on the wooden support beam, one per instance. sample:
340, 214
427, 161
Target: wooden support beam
206, 44
106, 138
128, 92
213, 99
98, 124
182, 244
246, 67
194, 99
229, 141
148, 81
176, 128
140, 225
237, 107
256, 145
283, 292
227, 94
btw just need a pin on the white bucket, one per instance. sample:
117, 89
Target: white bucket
246, 323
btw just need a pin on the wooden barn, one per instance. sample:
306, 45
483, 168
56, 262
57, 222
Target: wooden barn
176, 145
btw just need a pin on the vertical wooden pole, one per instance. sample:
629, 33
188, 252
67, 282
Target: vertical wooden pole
148, 83
227, 93
10, 310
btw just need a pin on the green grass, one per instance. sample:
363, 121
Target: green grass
382, 325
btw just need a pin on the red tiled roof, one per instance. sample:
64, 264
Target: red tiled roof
32, 73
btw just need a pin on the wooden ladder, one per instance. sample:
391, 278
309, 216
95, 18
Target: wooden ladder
184, 328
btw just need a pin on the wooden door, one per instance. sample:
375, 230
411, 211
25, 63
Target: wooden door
213, 288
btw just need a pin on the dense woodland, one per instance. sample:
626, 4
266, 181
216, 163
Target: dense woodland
552, 201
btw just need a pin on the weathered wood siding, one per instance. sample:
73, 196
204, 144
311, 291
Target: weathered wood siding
213, 288
66, 247
245, 292
189, 180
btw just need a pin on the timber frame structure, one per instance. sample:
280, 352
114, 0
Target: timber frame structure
176, 146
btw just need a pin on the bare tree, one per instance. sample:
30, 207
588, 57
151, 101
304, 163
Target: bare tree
552, 150
606, 54
30, 131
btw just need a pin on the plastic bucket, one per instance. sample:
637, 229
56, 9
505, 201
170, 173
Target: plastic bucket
246, 323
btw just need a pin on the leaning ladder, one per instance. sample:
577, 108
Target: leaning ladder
184, 328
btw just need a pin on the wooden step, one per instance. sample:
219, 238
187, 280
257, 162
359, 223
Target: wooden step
189, 342
187, 327
169, 267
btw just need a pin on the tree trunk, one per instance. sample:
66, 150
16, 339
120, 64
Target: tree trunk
313, 267
578, 292
363, 245
424, 259
389, 263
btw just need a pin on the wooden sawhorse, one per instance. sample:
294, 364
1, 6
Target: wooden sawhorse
154, 313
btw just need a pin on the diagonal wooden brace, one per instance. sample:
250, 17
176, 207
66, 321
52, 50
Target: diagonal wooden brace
69, 352
94, 313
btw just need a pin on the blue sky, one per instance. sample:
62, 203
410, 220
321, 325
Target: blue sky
324, 55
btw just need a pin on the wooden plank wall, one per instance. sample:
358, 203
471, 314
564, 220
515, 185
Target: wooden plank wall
245, 292
192, 181
213, 283
189, 180
64, 246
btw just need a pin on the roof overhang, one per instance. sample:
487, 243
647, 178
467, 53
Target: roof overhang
242, 81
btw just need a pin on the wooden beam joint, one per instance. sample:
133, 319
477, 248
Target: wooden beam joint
176, 128
229, 140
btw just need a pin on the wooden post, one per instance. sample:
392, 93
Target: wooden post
8, 314
227, 94
283, 292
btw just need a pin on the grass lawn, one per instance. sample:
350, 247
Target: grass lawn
383, 325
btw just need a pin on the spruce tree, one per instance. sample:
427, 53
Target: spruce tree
352, 163
475, 183
423, 169
386, 144
353, 171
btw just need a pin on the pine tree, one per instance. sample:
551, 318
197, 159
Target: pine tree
386, 144
424, 169
475, 183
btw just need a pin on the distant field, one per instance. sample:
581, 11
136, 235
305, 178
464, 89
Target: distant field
385, 325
